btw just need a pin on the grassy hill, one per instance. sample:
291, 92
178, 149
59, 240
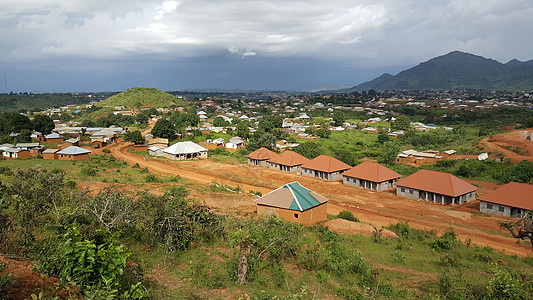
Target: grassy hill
142, 97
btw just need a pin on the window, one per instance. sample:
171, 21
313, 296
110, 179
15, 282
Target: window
403, 190
501, 209
411, 192
296, 216
489, 206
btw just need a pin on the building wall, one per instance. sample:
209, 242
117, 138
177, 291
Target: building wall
73, 157
311, 216
199, 155
322, 175
371, 185
285, 168
256, 162
24, 154
53, 141
434, 197
140, 147
52, 156
500, 210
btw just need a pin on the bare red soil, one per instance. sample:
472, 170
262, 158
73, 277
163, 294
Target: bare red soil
28, 282
515, 138
378, 208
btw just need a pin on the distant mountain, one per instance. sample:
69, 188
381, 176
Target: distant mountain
457, 70
142, 97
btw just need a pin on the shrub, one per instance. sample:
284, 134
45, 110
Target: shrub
5, 170
347, 215
446, 242
107, 151
5, 279
136, 165
503, 285
151, 178
88, 171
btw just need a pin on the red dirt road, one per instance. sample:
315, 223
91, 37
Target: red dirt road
516, 138
381, 209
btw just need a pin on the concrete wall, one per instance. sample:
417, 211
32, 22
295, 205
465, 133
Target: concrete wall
311, 216
322, 175
500, 210
199, 155
434, 197
366, 184
285, 168
256, 162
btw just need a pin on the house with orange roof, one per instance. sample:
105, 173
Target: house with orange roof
371, 175
325, 167
260, 157
511, 200
436, 187
295, 203
288, 161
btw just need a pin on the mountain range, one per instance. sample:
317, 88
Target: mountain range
457, 70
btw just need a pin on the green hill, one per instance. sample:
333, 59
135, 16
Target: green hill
142, 97
458, 70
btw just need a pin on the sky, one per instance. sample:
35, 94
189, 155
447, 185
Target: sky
113, 45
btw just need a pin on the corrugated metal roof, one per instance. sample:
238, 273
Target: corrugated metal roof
186, 147
73, 150
292, 196
53, 135
47, 151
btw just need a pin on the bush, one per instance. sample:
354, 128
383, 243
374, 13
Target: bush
5, 279
88, 171
151, 178
107, 151
446, 242
347, 215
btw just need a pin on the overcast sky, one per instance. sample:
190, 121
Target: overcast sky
95, 45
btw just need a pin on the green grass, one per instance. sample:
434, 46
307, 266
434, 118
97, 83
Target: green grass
412, 266
142, 97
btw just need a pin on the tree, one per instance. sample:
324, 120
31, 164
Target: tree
522, 228
220, 122
243, 130
402, 123
338, 118
323, 133
388, 153
267, 140
309, 149
141, 118
134, 136
43, 124
24, 136
110, 207
163, 129
33, 193
382, 138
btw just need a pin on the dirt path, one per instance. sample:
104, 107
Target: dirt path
380, 209
516, 138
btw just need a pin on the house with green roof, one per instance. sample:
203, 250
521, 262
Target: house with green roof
294, 202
